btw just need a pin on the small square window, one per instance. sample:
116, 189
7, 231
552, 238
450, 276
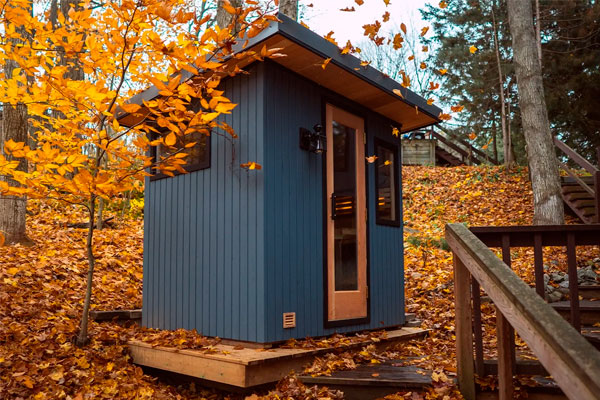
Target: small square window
198, 155
386, 184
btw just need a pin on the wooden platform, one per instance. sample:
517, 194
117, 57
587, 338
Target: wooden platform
244, 367
372, 381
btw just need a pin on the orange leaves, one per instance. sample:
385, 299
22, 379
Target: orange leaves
443, 4
371, 159
424, 31
359, 2
2, 239
430, 101
170, 139
325, 63
403, 27
398, 92
434, 86
457, 108
443, 71
405, 80
444, 116
371, 30
329, 38
472, 136
397, 41
473, 49
251, 165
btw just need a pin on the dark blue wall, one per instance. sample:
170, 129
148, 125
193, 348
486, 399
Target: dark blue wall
294, 227
204, 232
228, 251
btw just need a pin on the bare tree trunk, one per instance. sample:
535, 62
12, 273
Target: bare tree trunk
82, 337
14, 126
538, 30
495, 141
508, 156
289, 8
224, 19
543, 165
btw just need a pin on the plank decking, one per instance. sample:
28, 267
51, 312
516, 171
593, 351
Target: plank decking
244, 367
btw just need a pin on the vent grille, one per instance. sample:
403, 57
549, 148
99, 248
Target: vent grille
289, 320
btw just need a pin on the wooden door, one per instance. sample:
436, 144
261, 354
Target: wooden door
346, 216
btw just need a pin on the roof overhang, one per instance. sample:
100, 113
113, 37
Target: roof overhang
305, 52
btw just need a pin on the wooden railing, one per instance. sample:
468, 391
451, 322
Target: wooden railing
577, 159
468, 152
567, 356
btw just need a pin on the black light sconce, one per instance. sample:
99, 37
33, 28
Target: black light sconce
314, 142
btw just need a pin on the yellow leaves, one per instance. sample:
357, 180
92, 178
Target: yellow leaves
10, 146
82, 362
325, 63
57, 375
375, 361
473, 49
251, 165
12, 271
397, 92
225, 108
2, 239
130, 108
170, 139
424, 31
443, 71
430, 101
395, 132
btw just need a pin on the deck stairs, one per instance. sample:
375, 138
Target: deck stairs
580, 183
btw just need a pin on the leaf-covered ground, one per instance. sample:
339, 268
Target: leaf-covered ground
42, 287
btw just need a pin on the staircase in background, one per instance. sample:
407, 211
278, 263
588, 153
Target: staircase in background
580, 193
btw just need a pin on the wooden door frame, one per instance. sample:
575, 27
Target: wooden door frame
351, 109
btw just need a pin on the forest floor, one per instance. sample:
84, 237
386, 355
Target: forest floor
42, 288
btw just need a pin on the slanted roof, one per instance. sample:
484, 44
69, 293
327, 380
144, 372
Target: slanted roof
305, 53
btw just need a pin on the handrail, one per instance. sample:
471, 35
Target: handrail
482, 156
579, 160
589, 167
448, 143
567, 356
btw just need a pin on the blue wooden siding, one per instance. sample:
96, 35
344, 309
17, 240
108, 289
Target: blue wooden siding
294, 218
204, 233
227, 251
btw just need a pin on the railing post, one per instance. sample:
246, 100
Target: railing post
464, 330
597, 186
505, 338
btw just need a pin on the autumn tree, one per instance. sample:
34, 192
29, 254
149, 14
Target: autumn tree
543, 165
14, 127
85, 152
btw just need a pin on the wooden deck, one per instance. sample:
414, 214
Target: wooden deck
372, 381
244, 367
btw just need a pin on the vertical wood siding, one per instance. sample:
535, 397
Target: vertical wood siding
204, 232
228, 251
294, 218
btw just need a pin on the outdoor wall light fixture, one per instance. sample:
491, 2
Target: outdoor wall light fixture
312, 141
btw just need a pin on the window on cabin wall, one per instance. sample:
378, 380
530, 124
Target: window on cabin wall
386, 183
198, 154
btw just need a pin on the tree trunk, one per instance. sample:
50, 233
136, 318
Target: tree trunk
82, 337
289, 8
495, 141
543, 165
538, 30
14, 125
508, 156
224, 19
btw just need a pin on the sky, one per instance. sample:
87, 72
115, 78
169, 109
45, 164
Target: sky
325, 16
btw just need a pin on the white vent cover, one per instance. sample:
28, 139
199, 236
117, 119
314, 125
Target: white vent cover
289, 320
